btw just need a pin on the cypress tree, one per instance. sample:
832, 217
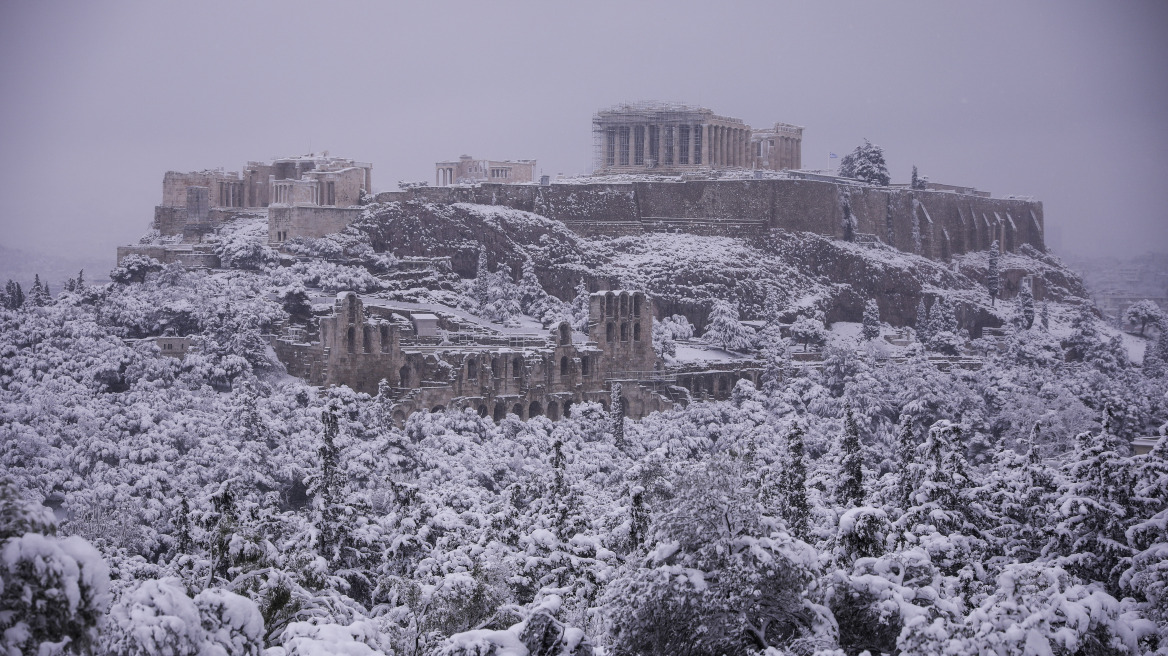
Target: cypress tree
617, 416
325, 485
796, 511
482, 281
638, 518
1026, 304
923, 326
850, 490
871, 329
993, 277
906, 451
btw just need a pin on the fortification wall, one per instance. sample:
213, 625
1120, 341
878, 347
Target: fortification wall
936, 224
312, 221
184, 255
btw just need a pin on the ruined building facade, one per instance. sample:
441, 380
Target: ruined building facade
468, 170
194, 203
494, 374
654, 137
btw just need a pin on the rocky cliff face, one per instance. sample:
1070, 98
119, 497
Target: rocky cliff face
684, 273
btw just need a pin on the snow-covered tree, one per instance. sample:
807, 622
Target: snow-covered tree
53, 591
865, 163
918, 182
663, 344
581, 308
794, 508
924, 327
1143, 313
725, 330
849, 489
871, 329
993, 276
13, 295
482, 280
616, 410
807, 331
1026, 305
1044, 316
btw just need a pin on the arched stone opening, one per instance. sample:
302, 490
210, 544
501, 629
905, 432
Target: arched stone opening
384, 330
624, 332
535, 409
438, 408
585, 365
568, 408
564, 366
496, 368
482, 410
500, 411
366, 339
553, 411
404, 376
517, 410
610, 332
472, 369
565, 334
517, 367
351, 339
636, 332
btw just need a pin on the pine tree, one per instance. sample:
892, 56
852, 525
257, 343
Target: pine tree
617, 416
871, 329
13, 295
865, 163
993, 276
796, 510
1026, 304
37, 296
725, 330
849, 491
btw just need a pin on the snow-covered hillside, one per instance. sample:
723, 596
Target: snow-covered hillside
878, 498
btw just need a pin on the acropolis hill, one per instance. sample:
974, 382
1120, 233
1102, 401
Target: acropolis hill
660, 168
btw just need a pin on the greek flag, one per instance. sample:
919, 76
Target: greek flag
834, 156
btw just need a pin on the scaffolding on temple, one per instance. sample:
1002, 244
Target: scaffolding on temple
667, 138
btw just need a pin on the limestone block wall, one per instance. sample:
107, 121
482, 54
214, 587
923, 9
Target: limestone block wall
185, 255
169, 220
310, 221
935, 224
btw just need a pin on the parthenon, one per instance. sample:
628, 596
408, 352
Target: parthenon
673, 137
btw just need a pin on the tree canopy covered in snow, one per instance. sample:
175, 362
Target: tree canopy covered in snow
984, 503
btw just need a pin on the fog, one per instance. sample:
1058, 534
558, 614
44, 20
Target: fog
1064, 101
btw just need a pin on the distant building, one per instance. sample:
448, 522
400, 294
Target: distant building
468, 170
778, 148
657, 137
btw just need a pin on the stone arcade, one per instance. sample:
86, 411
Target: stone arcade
493, 373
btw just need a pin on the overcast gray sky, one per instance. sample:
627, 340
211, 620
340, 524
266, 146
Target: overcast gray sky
1065, 101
